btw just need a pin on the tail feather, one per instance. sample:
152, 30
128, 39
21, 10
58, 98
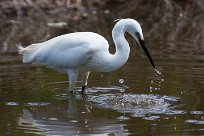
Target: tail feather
28, 52
20, 49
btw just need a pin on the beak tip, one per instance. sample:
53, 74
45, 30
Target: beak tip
158, 72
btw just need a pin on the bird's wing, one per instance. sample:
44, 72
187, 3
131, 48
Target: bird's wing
67, 51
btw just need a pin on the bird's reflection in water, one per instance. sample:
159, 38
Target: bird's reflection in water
77, 118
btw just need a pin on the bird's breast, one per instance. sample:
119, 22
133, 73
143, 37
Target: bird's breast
102, 62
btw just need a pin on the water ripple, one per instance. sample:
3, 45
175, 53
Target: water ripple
193, 121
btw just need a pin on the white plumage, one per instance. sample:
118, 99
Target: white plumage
82, 52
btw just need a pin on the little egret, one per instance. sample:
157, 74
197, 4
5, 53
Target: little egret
83, 52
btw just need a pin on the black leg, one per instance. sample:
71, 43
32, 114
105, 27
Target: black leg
71, 92
83, 89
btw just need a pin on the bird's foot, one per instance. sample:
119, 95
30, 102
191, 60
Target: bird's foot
83, 90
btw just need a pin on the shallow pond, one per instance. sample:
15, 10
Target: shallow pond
133, 100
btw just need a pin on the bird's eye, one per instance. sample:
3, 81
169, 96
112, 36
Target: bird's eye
137, 34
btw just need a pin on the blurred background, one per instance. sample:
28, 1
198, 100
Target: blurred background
172, 20
133, 100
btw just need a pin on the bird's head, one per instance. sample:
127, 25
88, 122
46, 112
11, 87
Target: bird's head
133, 27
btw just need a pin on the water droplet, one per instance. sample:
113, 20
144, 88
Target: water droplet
151, 89
85, 121
122, 90
121, 81
158, 72
155, 89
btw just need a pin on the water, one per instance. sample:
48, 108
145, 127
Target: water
134, 100
34, 99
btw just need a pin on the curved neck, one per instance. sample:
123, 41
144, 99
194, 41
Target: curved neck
114, 61
122, 47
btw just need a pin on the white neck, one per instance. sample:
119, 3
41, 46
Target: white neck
115, 61
121, 44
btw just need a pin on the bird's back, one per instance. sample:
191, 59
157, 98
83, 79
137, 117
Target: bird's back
69, 50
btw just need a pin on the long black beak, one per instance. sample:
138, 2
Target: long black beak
142, 43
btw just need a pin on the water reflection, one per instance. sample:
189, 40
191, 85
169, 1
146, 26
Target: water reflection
77, 118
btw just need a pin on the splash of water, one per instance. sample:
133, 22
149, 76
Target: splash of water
139, 105
156, 85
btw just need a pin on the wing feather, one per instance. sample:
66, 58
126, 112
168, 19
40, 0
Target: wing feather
66, 51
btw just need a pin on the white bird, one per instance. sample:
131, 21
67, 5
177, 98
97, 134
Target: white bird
83, 52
